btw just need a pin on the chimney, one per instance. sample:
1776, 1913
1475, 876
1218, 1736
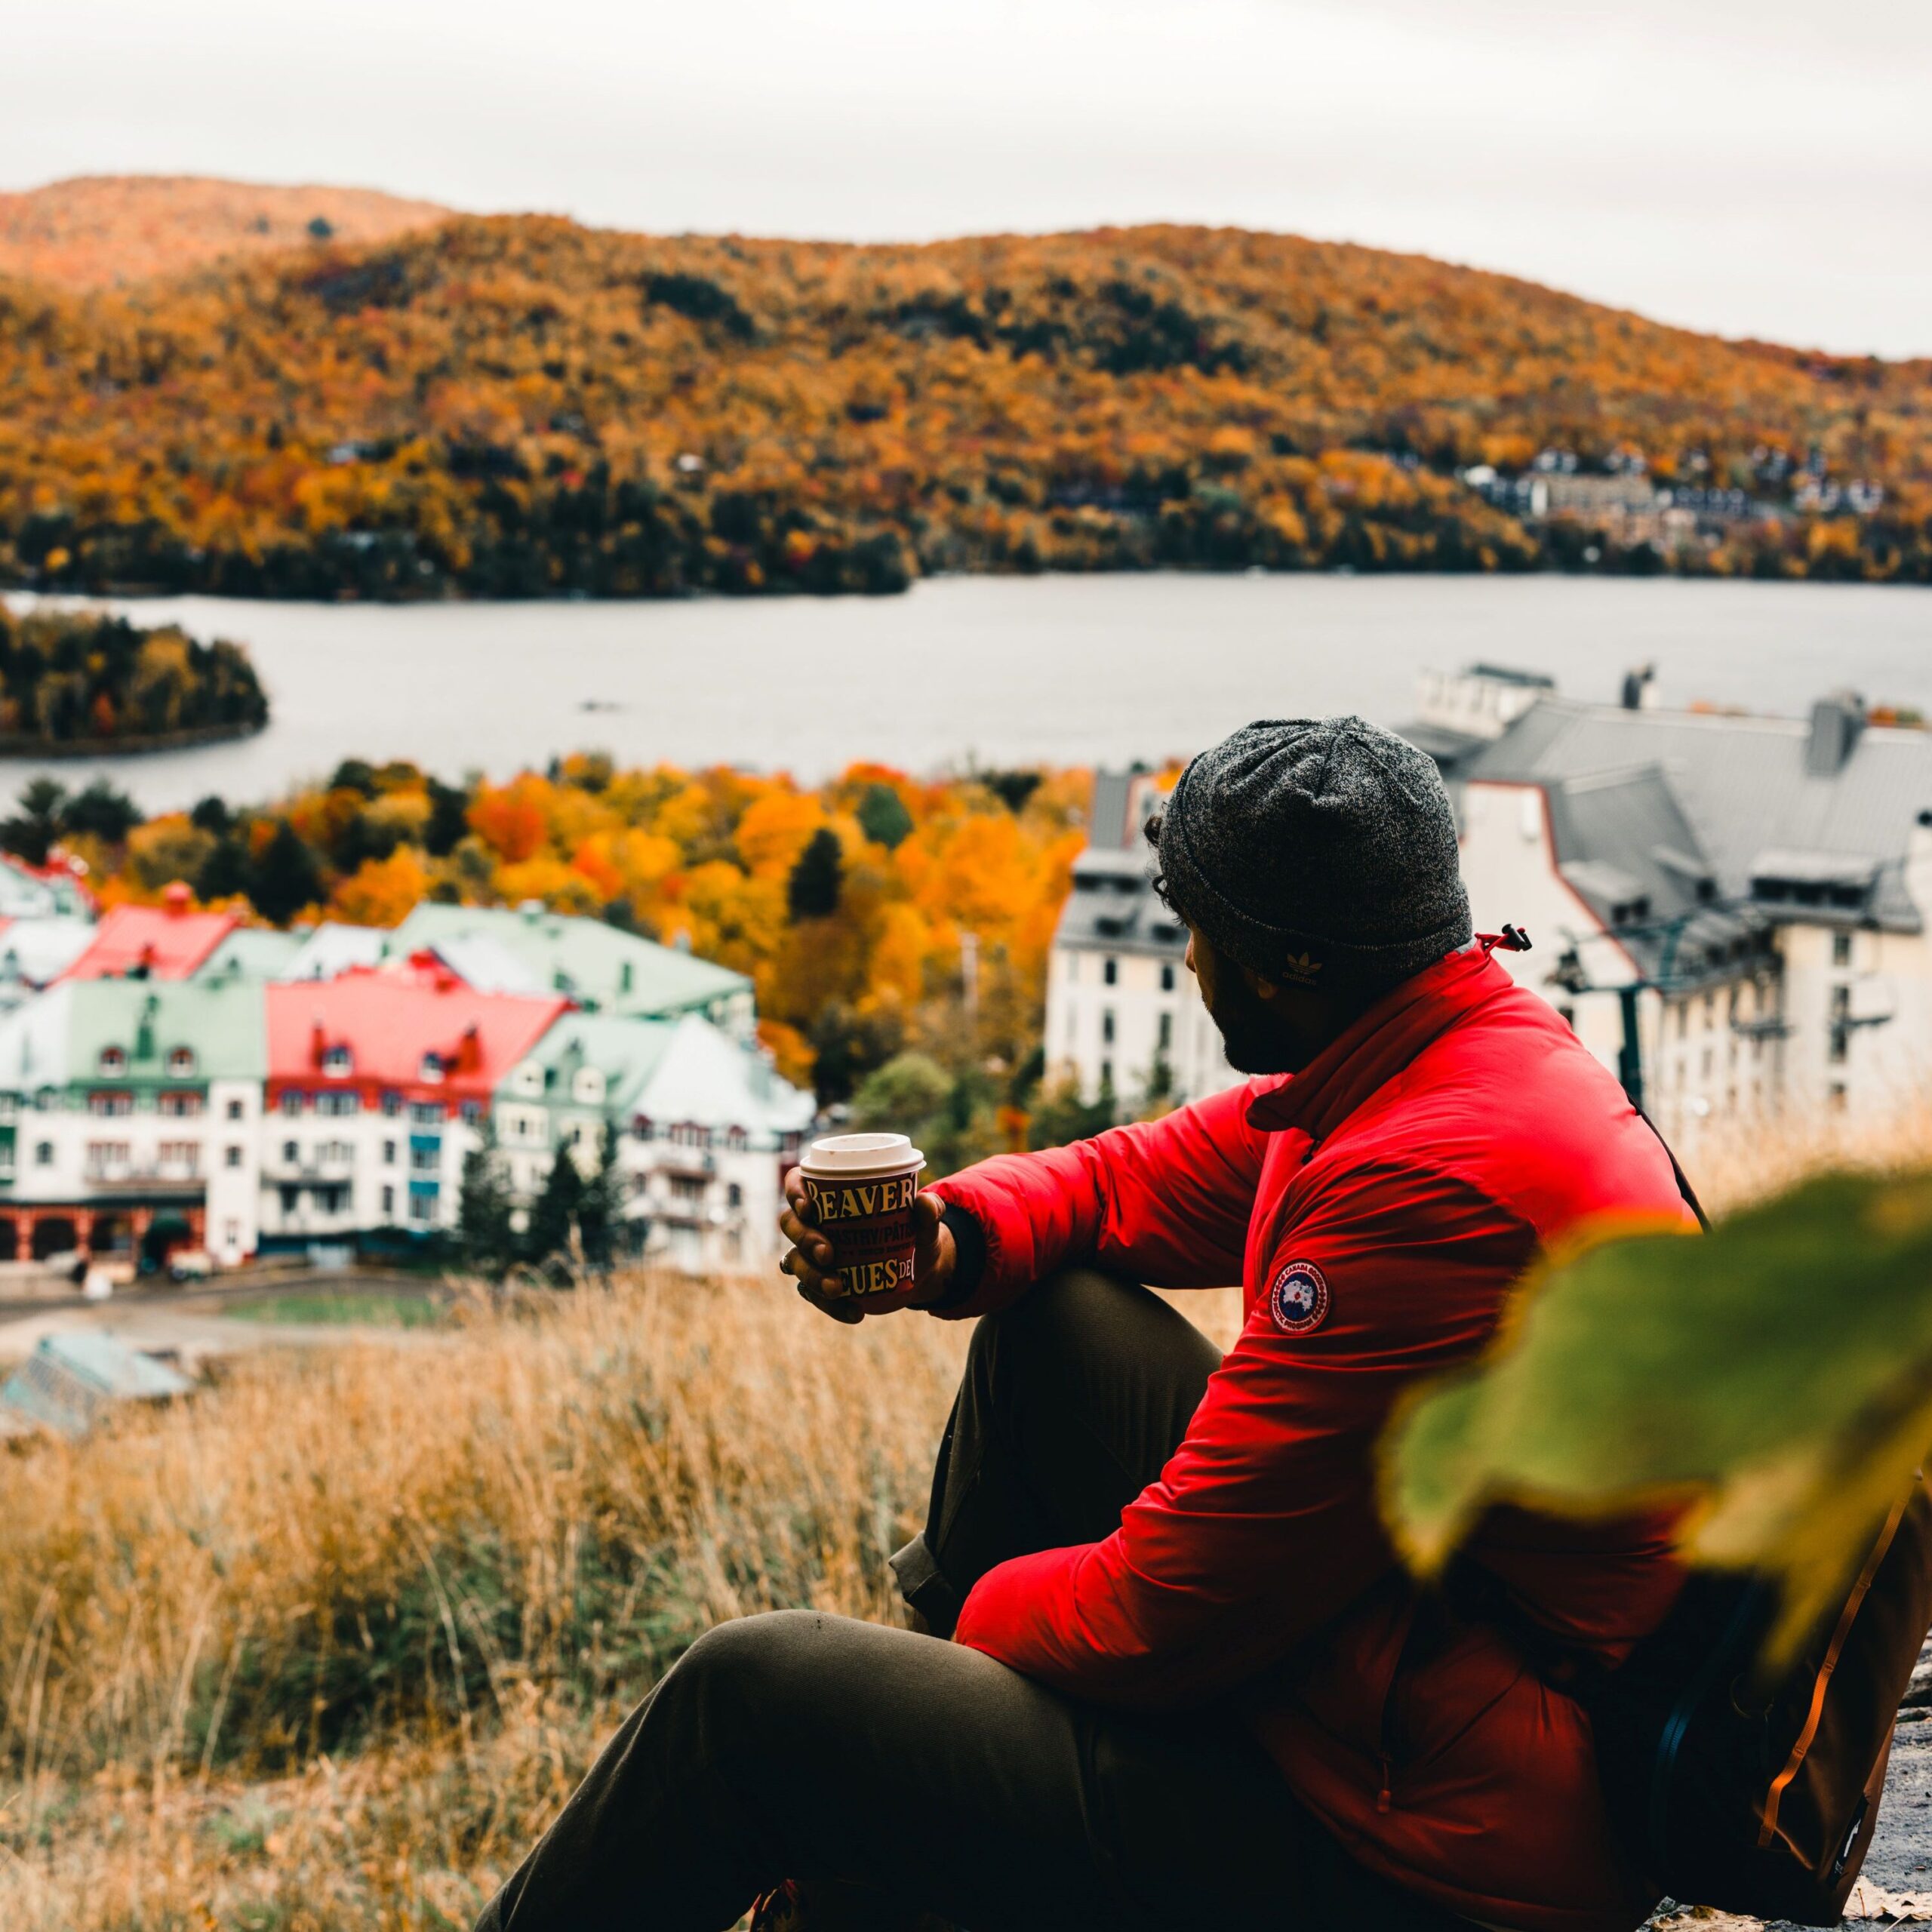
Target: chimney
318, 1043
177, 898
1836, 721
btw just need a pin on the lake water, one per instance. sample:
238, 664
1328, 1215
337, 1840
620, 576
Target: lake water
1069, 670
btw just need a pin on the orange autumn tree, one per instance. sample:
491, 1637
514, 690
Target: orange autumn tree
876, 914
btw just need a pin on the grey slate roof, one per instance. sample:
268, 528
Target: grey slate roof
1746, 784
1113, 907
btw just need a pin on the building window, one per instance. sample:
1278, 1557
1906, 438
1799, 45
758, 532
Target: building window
642, 1128
1107, 1026
1107, 1075
338, 1062
1164, 1037
289, 1198
1834, 1096
110, 1103
184, 1156
337, 1103
43, 1153
180, 1105
232, 1157
431, 1071
236, 1109
232, 1233
1167, 975
422, 1209
291, 1102
473, 1112
735, 1195
737, 1139
289, 1153
113, 1061
180, 1062
392, 1105
426, 1113
425, 1159
388, 1200
1841, 949
388, 1153
336, 1153
1109, 971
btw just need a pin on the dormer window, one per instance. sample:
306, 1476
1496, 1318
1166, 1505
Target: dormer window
114, 1061
180, 1062
338, 1062
431, 1068
588, 1086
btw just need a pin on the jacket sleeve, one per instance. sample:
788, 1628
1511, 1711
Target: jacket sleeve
1168, 1200
1263, 1525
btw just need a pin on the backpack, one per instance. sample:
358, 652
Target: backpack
1754, 1796
1761, 1796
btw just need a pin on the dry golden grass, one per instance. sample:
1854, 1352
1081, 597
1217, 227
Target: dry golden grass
325, 1648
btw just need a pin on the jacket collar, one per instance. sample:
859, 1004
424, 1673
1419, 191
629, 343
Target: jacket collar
1380, 1045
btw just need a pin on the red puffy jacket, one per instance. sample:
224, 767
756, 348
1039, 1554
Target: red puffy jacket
1376, 1208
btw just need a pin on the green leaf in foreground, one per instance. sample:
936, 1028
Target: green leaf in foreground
1777, 1376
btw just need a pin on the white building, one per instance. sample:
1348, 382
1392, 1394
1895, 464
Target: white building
1124, 1014
1756, 890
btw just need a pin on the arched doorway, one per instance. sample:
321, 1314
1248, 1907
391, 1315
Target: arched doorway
166, 1233
54, 1234
112, 1234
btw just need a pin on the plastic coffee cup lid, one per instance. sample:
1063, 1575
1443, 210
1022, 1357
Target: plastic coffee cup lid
862, 1154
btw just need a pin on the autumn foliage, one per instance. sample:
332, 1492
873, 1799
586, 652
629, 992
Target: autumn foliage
847, 903
520, 406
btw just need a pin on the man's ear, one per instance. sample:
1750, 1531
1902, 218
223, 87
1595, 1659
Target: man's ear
1261, 988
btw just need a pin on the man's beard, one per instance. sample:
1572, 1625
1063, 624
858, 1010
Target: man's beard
1252, 1035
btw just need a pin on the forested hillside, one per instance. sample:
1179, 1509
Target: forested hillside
520, 406
96, 230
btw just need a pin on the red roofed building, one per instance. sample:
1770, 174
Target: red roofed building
165, 941
377, 1082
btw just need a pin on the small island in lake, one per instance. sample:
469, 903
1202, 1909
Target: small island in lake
80, 683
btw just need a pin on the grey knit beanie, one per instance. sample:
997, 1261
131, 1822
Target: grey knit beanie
1319, 851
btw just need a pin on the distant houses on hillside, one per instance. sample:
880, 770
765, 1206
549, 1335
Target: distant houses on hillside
169, 1079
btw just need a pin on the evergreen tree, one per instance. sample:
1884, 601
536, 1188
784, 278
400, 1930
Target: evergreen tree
883, 817
600, 1208
812, 890
32, 832
108, 814
287, 878
554, 1218
483, 1222
449, 819
227, 871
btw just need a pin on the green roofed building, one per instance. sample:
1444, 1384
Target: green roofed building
250, 953
704, 1129
130, 1114
602, 969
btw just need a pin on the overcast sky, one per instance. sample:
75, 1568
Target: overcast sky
1754, 167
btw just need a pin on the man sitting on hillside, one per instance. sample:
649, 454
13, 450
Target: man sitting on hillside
1188, 1684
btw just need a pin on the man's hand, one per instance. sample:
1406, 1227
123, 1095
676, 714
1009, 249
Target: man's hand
809, 1259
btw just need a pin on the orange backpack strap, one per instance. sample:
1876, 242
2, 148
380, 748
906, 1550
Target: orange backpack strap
1782, 1783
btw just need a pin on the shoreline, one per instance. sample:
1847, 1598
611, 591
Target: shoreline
189, 738
149, 593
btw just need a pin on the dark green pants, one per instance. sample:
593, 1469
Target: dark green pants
927, 1777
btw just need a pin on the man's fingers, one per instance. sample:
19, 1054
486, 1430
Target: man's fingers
839, 1310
